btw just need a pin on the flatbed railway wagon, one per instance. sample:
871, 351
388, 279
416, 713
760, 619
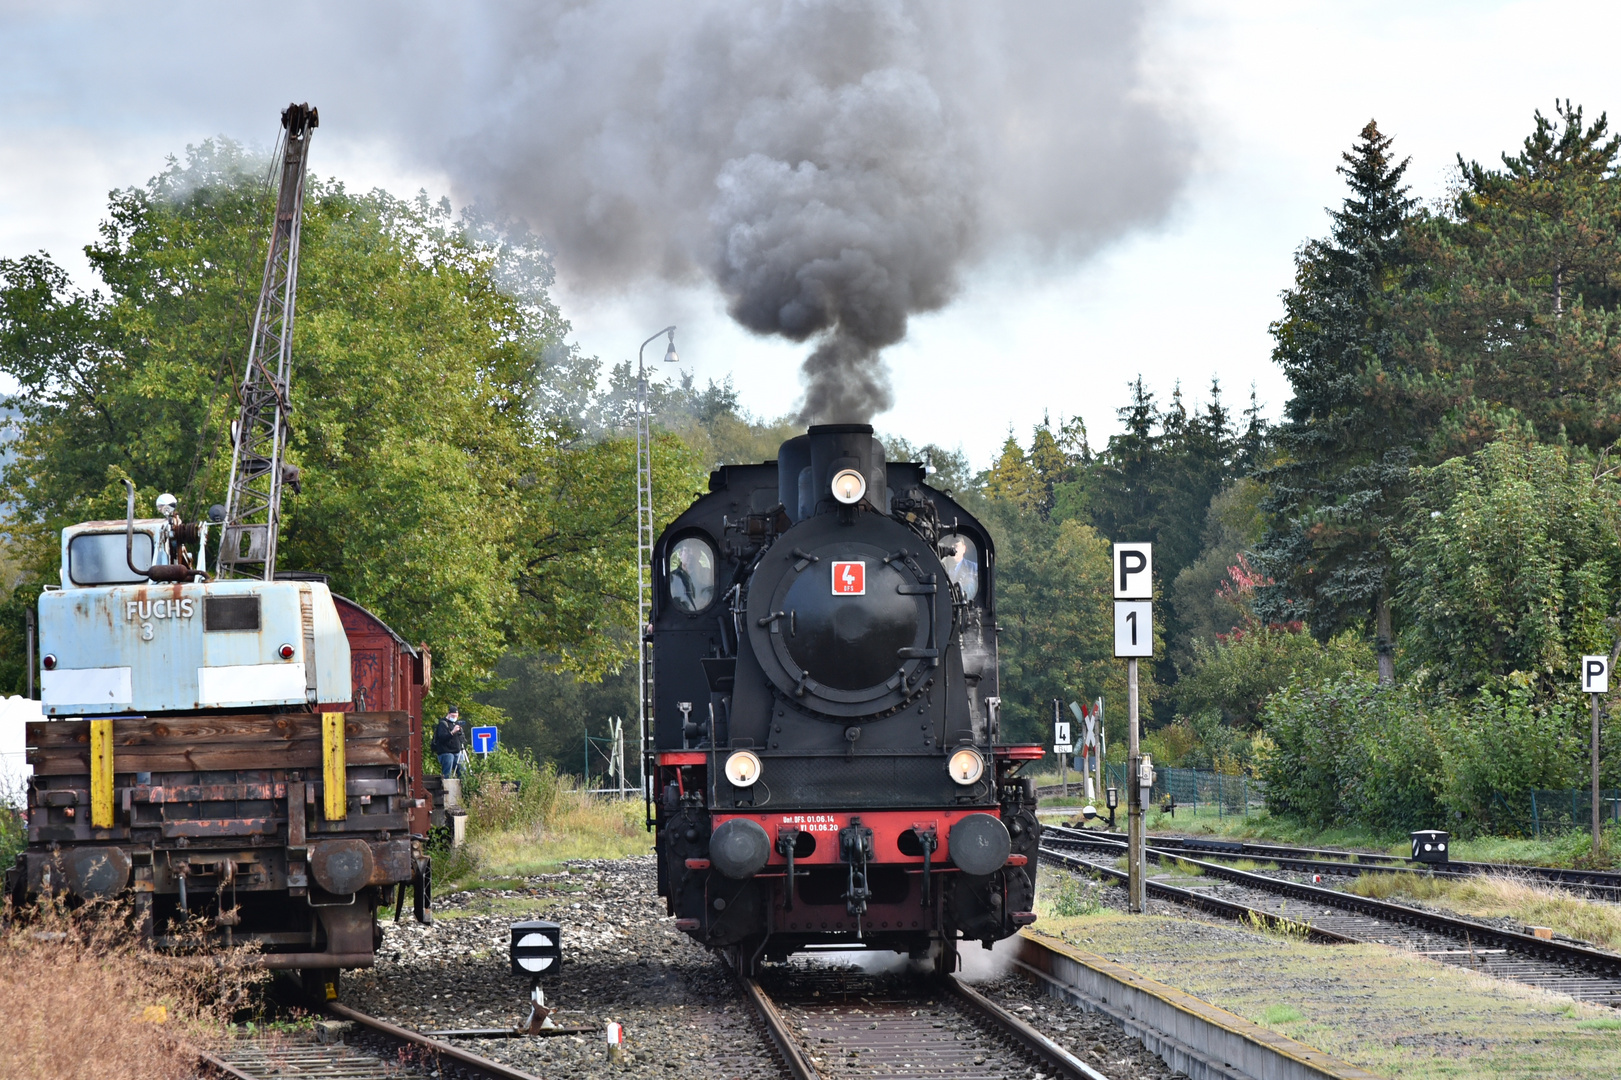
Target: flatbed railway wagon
242, 752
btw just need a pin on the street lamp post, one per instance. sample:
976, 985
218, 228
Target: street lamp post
644, 536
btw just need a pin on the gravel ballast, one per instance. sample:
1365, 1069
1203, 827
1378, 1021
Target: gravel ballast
624, 961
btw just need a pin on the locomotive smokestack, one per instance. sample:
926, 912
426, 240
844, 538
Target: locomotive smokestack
822, 461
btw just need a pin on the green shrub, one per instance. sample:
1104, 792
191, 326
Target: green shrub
1501, 746
1509, 568
13, 836
1075, 897
508, 789
1348, 749
1391, 759
1234, 674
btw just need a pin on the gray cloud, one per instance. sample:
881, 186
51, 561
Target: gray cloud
833, 167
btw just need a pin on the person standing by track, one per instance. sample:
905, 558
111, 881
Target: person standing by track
449, 740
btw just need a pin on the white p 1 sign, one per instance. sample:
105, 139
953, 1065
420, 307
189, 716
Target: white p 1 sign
1133, 628
1595, 674
1134, 572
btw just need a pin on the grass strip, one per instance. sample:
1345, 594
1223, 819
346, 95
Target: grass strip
1384, 1010
1502, 896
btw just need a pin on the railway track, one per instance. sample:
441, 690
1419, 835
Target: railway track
372, 1049
1596, 884
835, 1023
1325, 914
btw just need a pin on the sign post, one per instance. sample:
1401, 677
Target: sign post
1595, 682
1090, 741
1134, 639
1061, 746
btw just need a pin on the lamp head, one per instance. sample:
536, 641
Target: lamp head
669, 353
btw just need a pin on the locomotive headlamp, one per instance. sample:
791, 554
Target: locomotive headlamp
49, 662
966, 766
286, 651
743, 768
849, 486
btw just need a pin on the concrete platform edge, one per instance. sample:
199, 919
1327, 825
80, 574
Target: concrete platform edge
1189, 1034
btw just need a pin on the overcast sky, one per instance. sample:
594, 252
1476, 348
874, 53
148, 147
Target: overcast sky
1268, 95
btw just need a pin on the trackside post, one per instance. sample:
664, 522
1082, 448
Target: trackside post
1595, 682
1134, 639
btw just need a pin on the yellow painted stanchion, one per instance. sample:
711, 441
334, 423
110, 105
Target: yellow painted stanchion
334, 772
101, 774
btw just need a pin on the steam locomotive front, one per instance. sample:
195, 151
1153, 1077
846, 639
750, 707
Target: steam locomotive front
837, 775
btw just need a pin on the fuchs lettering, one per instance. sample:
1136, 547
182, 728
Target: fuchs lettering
144, 610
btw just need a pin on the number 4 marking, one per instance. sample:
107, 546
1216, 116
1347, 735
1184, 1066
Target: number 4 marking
849, 578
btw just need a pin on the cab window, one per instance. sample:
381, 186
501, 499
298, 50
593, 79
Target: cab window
960, 556
98, 559
692, 574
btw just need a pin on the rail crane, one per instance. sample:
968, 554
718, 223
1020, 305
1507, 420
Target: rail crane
243, 747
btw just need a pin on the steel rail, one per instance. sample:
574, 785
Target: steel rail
1284, 859
1561, 952
219, 1066
776, 1027
1335, 860
1042, 1048
478, 1064
1232, 909
1023, 1037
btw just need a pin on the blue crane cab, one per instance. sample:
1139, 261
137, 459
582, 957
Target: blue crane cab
112, 641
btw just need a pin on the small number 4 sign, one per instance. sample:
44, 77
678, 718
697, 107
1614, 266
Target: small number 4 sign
849, 579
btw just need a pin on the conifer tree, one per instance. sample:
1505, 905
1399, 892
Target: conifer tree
1519, 326
1012, 479
1344, 444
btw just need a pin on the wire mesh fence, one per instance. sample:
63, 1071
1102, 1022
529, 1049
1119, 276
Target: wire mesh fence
1204, 791
1199, 790
1556, 811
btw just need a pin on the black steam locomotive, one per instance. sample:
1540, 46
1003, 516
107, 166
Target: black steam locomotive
824, 712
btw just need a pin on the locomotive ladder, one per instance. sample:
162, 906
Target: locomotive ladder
644, 561
644, 566
259, 434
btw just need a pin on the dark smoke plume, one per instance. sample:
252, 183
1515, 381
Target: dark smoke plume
832, 166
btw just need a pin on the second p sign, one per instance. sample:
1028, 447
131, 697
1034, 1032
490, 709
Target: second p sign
1133, 628
1595, 674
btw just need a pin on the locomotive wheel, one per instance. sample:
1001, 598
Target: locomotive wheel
944, 954
744, 957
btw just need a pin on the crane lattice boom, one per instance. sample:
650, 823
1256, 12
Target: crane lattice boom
259, 436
